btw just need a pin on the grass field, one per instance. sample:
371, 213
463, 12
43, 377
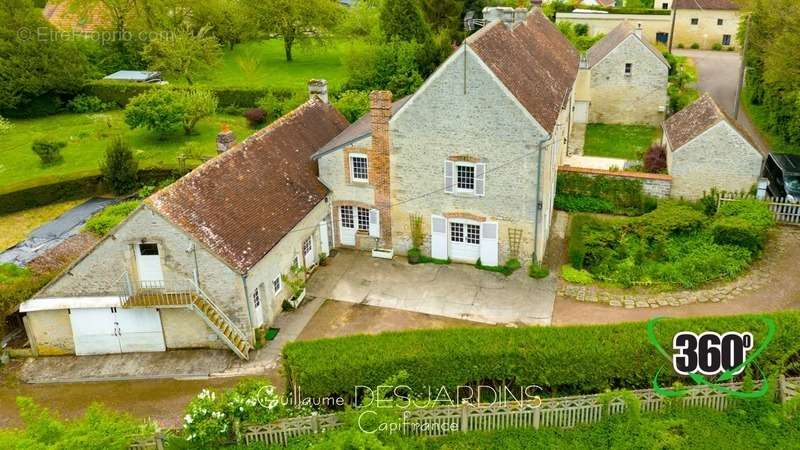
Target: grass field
87, 136
263, 64
619, 141
16, 226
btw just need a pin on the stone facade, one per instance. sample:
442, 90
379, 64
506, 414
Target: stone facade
707, 31
653, 184
718, 158
651, 24
638, 97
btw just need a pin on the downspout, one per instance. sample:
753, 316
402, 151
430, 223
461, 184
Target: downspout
249, 306
538, 197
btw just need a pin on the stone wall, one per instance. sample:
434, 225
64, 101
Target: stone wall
706, 33
653, 184
604, 23
719, 158
640, 97
183, 328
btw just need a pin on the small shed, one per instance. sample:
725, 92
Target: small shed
708, 149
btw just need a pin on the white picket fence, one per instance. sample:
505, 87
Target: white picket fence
785, 212
563, 412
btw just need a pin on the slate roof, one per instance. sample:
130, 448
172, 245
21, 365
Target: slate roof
355, 132
704, 4
604, 46
243, 202
695, 119
533, 60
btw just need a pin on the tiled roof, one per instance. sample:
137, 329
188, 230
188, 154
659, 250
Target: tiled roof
358, 130
66, 17
243, 202
610, 41
533, 60
695, 119
704, 4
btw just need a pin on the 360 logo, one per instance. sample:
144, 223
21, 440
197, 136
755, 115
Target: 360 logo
711, 354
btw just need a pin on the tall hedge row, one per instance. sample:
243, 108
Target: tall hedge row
564, 360
577, 192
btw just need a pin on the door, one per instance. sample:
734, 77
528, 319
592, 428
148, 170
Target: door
438, 237
308, 253
139, 330
347, 226
324, 241
94, 331
258, 310
465, 241
662, 37
148, 263
581, 112
489, 244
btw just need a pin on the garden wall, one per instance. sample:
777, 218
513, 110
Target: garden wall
653, 184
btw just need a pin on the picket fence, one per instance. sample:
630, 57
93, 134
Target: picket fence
785, 211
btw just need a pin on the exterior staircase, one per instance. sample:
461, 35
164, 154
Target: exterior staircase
148, 294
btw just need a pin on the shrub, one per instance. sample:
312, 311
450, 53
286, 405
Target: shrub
681, 46
582, 203
625, 194
5, 125
255, 117
716, 47
538, 271
670, 218
581, 29
507, 269
104, 221
352, 104
414, 256
695, 46
16, 286
655, 160
160, 110
48, 150
575, 276
743, 223
120, 168
197, 104
620, 356
88, 104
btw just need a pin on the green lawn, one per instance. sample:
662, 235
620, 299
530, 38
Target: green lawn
87, 136
619, 141
263, 64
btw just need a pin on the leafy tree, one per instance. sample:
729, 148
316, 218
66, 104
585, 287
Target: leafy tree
362, 21
183, 53
391, 66
296, 21
443, 14
120, 168
197, 104
352, 104
34, 66
158, 110
402, 19
229, 20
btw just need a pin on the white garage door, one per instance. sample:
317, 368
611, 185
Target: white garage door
99, 331
465, 241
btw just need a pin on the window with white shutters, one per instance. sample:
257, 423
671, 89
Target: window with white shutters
465, 177
456, 232
346, 213
363, 219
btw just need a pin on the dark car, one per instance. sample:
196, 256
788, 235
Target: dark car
783, 173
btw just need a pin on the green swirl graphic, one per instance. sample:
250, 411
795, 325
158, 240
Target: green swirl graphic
724, 377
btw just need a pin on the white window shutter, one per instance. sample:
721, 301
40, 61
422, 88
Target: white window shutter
449, 176
489, 244
374, 223
480, 179
438, 237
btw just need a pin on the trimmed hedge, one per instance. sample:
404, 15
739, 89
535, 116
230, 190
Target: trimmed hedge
563, 360
597, 193
120, 93
74, 189
744, 223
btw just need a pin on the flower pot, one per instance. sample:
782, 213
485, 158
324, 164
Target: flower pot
383, 253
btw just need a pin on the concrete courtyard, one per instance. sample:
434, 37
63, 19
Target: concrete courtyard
457, 291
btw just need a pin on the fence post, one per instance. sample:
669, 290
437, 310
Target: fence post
782, 388
537, 416
237, 431
315, 422
464, 416
159, 438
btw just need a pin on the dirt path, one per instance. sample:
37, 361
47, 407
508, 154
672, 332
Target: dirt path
772, 297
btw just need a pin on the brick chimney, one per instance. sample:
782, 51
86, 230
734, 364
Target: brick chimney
225, 139
506, 14
318, 88
380, 113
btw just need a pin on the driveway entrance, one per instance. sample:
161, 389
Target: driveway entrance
458, 291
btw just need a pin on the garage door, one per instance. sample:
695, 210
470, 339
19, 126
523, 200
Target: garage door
465, 241
99, 331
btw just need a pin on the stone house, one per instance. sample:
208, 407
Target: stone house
200, 263
705, 22
622, 80
707, 149
470, 159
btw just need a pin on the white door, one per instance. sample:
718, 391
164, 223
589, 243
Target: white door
347, 226
258, 309
94, 331
140, 330
308, 252
581, 112
324, 241
465, 241
489, 244
438, 237
148, 263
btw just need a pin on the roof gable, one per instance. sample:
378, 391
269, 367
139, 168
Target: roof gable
614, 39
696, 119
534, 61
243, 202
705, 4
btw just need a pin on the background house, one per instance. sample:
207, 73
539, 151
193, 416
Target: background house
623, 80
200, 264
705, 22
707, 149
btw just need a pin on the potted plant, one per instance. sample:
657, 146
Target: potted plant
323, 259
296, 281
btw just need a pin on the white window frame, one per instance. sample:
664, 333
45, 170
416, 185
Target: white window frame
255, 297
362, 213
456, 188
279, 285
352, 157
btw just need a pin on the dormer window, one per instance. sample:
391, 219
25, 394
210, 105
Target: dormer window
359, 168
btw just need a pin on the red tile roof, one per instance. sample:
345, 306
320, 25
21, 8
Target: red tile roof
533, 60
66, 17
695, 119
704, 4
243, 202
